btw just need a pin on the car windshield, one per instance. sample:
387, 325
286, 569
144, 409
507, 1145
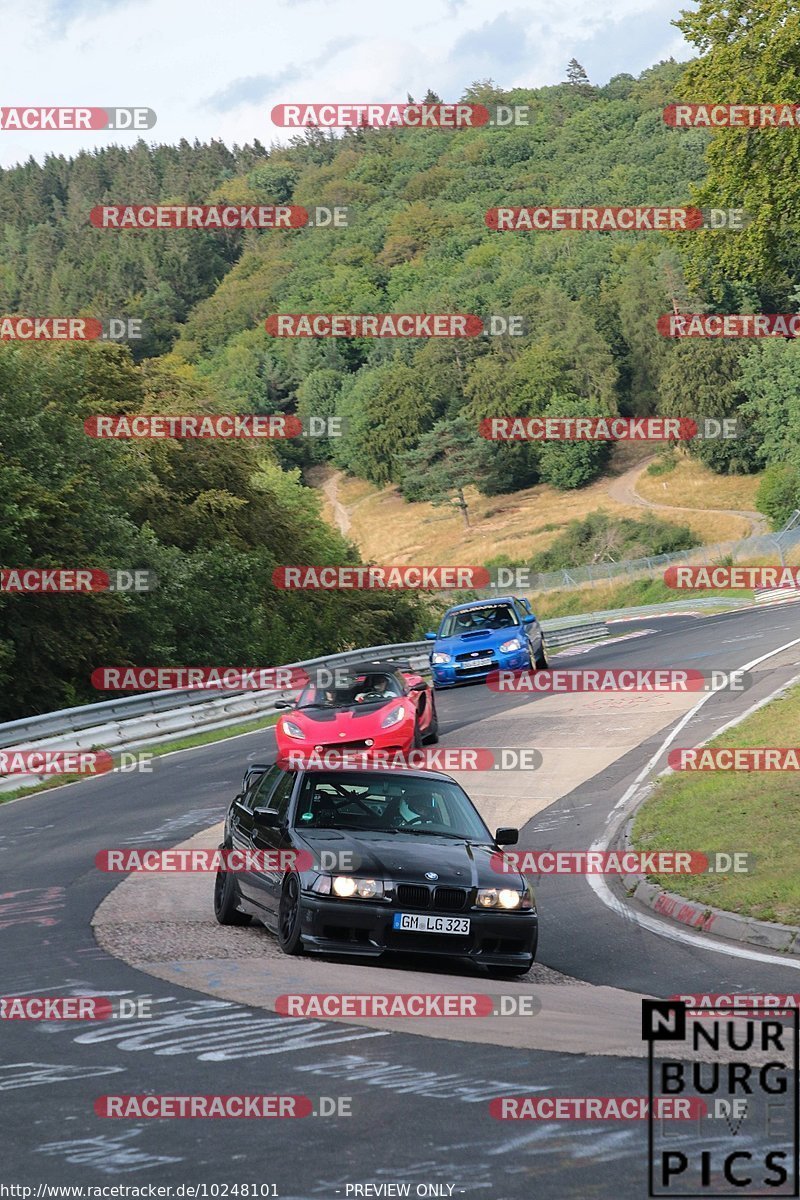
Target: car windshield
487, 617
390, 803
374, 687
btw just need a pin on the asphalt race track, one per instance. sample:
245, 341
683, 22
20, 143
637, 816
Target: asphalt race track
419, 1105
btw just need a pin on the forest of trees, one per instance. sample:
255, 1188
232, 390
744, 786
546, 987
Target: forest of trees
213, 519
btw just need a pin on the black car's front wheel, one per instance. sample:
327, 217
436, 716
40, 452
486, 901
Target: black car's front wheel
226, 900
289, 938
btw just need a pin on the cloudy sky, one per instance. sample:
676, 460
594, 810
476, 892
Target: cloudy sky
214, 68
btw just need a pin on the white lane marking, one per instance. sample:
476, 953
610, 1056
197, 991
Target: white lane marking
737, 720
661, 928
670, 738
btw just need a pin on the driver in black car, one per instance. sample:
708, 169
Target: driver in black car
422, 808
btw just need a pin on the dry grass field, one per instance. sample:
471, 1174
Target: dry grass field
389, 530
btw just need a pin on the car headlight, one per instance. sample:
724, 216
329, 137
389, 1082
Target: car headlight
349, 887
513, 644
505, 898
397, 715
291, 730
439, 659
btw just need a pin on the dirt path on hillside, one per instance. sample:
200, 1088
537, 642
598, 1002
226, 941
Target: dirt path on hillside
623, 490
331, 489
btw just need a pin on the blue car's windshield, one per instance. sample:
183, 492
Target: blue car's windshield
487, 617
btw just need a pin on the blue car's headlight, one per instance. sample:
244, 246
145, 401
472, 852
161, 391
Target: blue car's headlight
438, 659
513, 644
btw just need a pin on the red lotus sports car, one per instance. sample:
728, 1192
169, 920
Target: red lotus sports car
373, 708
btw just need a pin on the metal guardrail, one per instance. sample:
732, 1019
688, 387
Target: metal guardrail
153, 718
147, 720
654, 610
763, 544
127, 708
776, 595
575, 635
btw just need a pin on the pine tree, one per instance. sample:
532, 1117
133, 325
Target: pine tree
576, 75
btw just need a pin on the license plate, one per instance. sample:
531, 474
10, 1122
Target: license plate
423, 923
476, 662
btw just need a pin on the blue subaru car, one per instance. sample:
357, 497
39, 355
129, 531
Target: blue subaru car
482, 636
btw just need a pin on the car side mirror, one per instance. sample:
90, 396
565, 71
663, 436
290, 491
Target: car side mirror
418, 687
430, 637
284, 704
506, 837
267, 818
528, 620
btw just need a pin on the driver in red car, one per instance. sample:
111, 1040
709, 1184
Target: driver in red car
378, 690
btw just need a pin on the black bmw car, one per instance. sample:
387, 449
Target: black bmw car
401, 862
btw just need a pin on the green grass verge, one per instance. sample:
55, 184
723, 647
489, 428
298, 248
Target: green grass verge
735, 810
184, 743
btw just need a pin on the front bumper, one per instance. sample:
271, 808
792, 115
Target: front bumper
397, 739
358, 927
452, 673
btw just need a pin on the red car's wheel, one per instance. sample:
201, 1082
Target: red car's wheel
432, 732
